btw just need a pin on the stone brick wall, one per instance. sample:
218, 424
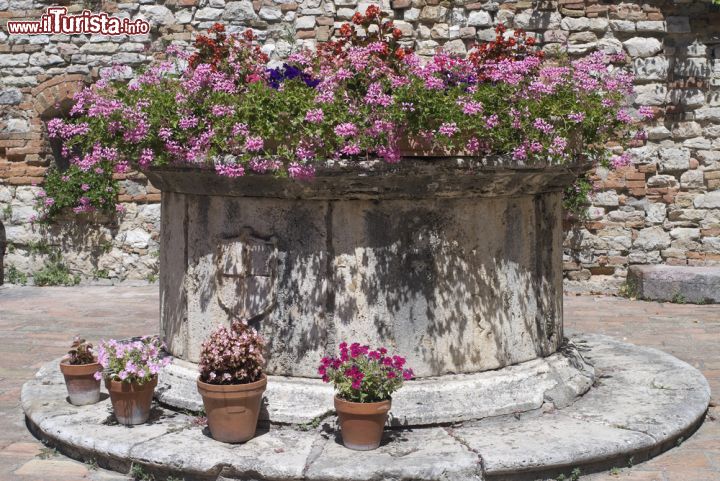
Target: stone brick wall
665, 208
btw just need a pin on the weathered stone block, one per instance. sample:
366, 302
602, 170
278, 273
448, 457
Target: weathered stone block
670, 283
537, 19
692, 179
711, 200
676, 24
674, 159
643, 46
479, 18
652, 238
653, 68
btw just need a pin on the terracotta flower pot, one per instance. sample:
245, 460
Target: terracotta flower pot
362, 424
232, 409
131, 401
81, 384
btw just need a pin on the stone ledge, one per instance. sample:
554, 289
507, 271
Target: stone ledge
426, 401
412, 178
644, 401
696, 285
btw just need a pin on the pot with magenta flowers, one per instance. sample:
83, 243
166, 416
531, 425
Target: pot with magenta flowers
231, 381
364, 381
79, 367
130, 369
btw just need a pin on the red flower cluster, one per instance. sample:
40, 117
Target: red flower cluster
386, 33
218, 49
516, 47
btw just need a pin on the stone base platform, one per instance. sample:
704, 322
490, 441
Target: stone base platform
681, 284
425, 401
643, 402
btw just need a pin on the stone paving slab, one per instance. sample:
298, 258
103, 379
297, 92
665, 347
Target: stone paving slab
35, 324
422, 454
603, 426
550, 443
631, 376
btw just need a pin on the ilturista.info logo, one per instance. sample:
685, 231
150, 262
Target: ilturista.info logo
56, 20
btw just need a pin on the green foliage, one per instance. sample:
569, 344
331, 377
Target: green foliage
574, 476
678, 298
14, 276
7, 212
629, 289
576, 197
77, 190
101, 274
137, 473
55, 273
47, 452
81, 352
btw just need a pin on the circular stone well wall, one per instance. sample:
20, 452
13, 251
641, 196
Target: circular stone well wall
455, 264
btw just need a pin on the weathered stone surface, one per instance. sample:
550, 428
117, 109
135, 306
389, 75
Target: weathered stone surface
479, 18
652, 238
643, 46
433, 454
509, 448
711, 200
349, 263
645, 402
451, 398
673, 283
674, 159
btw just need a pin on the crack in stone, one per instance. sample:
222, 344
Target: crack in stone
315, 452
462, 442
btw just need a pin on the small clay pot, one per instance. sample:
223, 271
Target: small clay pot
131, 401
81, 384
362, 424
232, 409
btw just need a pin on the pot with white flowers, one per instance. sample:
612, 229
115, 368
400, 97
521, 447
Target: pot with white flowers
79, 367
232, 382
364, 381
130, 369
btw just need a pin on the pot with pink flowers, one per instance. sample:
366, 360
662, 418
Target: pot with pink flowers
79, 368
232, 382
364, 381
130, 369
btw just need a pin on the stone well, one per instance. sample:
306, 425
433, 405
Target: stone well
454, 263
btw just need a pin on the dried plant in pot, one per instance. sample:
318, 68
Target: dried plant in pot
232, 382
79, 367
364, 381
130, 369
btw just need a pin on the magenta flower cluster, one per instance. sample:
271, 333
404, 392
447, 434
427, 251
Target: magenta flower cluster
136, 361
360, 374
232, 356
346, 100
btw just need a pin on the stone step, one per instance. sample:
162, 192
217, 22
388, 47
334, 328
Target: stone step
681, 284
643, 403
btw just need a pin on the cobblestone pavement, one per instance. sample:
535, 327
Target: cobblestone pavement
36, 325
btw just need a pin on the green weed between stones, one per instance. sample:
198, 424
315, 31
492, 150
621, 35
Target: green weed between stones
629, 289
55, 273
47, 452
137, 473
14, 276
573, 476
